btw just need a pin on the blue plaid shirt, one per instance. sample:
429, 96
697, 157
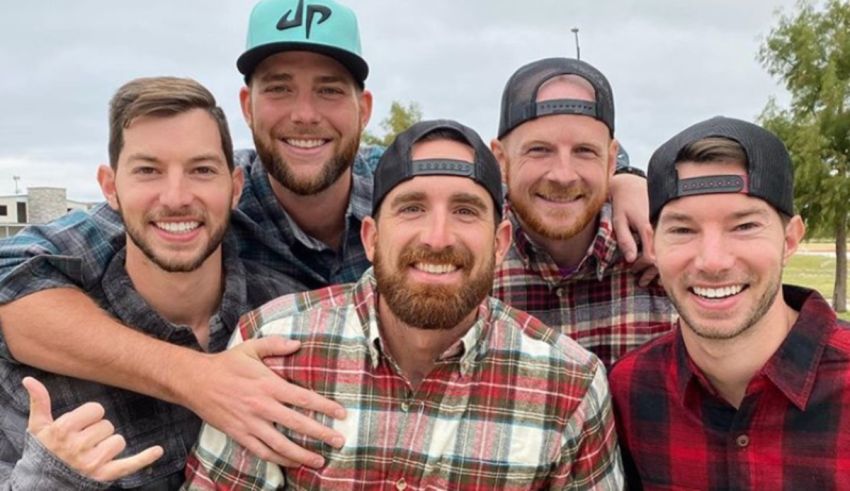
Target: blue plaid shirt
74, 250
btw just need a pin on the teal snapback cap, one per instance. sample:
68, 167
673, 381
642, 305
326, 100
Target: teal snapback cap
321, 26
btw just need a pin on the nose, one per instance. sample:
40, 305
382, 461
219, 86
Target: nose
304, 109
563, 169
176, 193
714, 256
437, 233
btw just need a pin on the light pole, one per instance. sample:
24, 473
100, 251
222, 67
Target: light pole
578, 50
16, 179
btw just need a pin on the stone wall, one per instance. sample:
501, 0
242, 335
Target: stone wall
45, 204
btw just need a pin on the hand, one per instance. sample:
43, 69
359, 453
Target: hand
82, 438
238, 394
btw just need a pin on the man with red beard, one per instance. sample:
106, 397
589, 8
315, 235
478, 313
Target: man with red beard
751, 391
307, 191
445, 387
557, 150
173, 181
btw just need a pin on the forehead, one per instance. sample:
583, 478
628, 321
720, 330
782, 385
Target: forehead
688, 169
442, 149
566, 87
294, 63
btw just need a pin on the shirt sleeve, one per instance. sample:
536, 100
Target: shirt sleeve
39, 469
590, 456
218, 462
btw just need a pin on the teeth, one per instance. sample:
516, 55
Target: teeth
304, 143
726, 291
178, 227
435, 268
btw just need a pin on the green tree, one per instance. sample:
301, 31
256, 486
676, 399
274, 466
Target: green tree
401, 117
809, 51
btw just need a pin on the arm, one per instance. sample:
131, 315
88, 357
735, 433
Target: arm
590, 456
232, 390
630, 204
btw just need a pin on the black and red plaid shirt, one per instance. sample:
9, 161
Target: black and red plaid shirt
792, 430
599, 304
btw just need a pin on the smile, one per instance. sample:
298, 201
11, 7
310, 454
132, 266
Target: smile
715, 293
305, 143
177, 227
435, 268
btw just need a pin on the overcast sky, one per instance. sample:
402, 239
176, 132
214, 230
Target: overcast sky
670, 63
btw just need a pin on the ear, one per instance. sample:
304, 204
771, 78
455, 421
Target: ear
794, 233
504, 238
649, 244
245, 103
238, 176
613, 150
106, 179
500, 152
365, 108
369, 237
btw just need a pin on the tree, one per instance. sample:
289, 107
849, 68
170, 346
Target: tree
809, 51
401, 117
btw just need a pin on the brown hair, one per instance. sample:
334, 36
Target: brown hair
713, 149
162, 97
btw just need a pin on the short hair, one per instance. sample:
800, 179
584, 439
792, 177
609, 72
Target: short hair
162, 97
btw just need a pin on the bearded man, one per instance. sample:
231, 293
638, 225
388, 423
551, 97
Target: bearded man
444, 386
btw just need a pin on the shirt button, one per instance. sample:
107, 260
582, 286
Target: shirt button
401, 484
405, 406
559, 292
742, 441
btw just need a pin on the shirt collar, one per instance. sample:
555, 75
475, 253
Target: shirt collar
794, 365
471, 347
602, 254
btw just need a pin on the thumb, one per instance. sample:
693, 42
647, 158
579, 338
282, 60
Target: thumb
271, 346
40, 415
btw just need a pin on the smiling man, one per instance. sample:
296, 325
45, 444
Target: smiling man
750, 392
173, 181
445, 387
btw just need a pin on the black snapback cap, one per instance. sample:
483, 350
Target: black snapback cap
396, 165
770, 174
519, 99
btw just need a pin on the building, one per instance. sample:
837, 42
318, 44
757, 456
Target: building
39, 205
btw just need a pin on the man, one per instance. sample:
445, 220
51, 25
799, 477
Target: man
306, 193
557, 150
445, 387
750, 391
173, 181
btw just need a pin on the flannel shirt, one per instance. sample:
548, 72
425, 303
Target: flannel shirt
600, 304
512, 405
75, 249
792, 430
142, 420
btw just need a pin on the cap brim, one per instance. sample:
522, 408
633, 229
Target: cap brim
353, 63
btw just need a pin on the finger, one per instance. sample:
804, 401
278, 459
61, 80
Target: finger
119, 468
648, 275
106, 450
303, 425
625, 240
261, 450
40, 413
645, 235
80, 418
96, 433
270, 346
284, 452
302, 398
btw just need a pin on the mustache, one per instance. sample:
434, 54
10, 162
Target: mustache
554, 190
460, 257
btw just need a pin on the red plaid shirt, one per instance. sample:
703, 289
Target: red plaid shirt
600, 304
792, 430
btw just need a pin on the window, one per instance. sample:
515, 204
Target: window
4, 211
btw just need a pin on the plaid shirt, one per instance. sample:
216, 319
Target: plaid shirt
600, 304
792, 430
142, 420
512, 405
75, 249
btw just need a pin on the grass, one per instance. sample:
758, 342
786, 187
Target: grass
814, 272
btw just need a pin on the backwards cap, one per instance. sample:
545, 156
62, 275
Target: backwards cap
321, 26
770, 175
396, 165
519, 100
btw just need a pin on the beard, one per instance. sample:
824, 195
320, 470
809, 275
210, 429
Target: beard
533, 219
432, 306
330, 172
705, 329
172, 265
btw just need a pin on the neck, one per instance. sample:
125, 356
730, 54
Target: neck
730, 364
416, 350
567, 253
189, 299
320, 215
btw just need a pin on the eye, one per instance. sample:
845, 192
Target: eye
331, 91
586, 151
410, 209
538, 151
743, 227
205, 170
680, 230
276, 89
144, 170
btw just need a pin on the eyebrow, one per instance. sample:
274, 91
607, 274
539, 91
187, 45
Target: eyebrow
204, 157
456, 198
469, 199
738, 215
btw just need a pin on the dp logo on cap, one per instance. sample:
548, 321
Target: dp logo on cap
284, 22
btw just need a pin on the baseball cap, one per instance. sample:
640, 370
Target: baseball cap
770, 175
396, 165
321, 26
519, 100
